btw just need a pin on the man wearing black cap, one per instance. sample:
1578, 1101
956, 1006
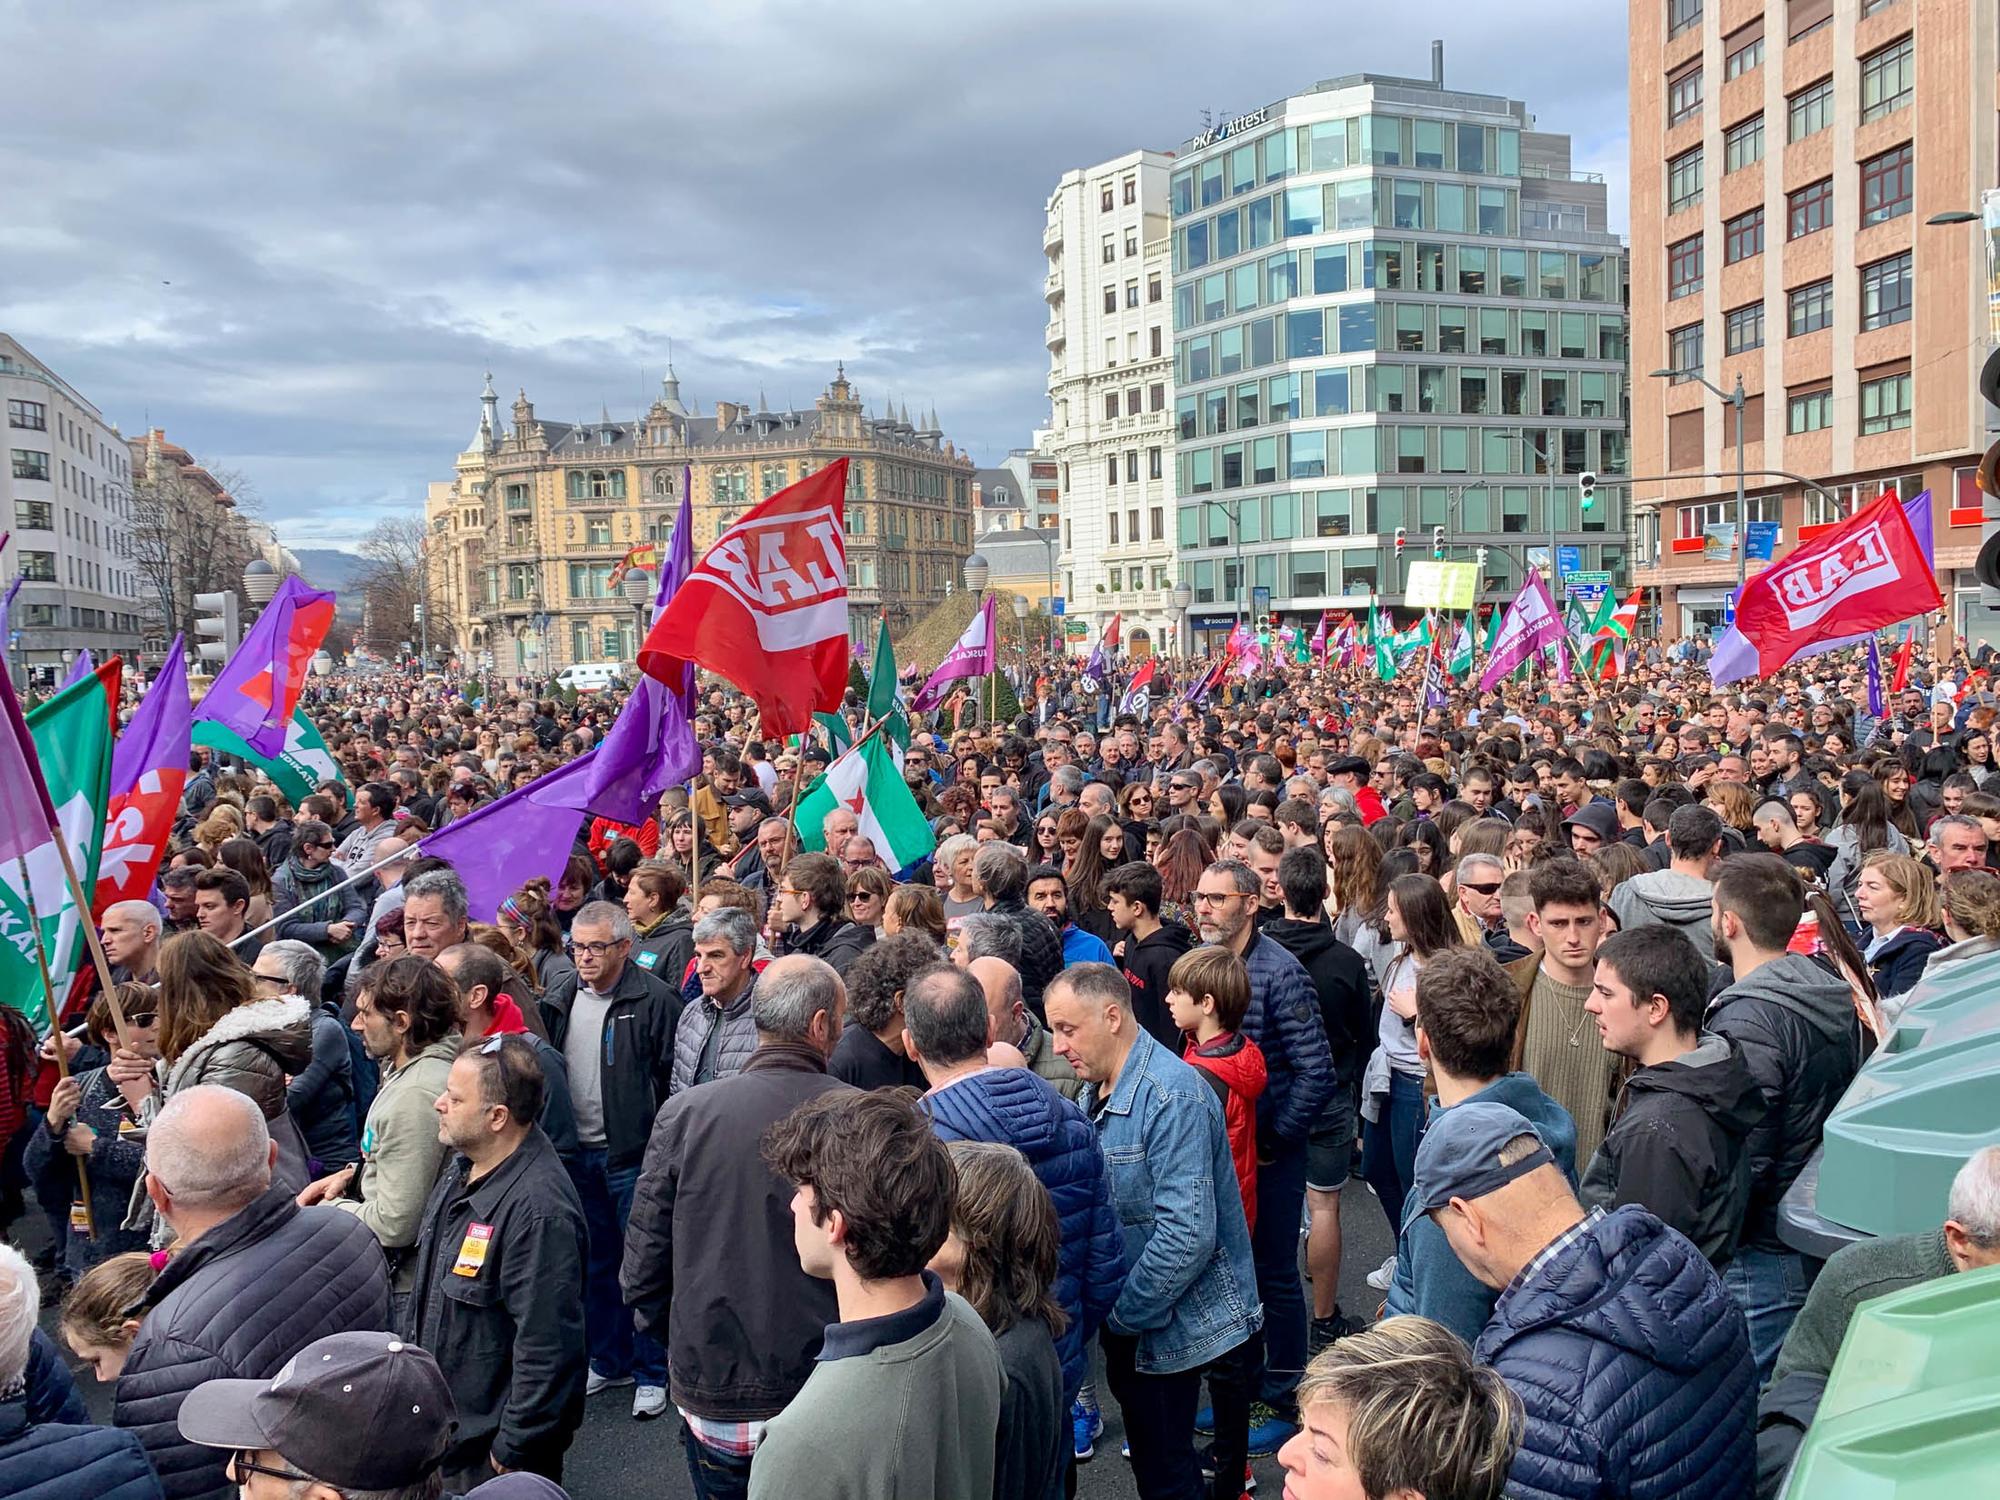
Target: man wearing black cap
1351, 773
1631, 1362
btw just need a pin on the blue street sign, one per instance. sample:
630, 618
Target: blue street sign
1762, 541
1729, 608
1056, 606
1568, 560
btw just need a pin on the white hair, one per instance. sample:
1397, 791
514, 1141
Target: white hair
143, 912
210, 1148
1974, 1204
20, 1304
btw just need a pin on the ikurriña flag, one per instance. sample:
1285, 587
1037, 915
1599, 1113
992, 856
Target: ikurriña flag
766, 606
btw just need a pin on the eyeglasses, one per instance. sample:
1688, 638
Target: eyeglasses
786, 890
242, 1462
1142, 796
596, 950
1209, 898
861, 895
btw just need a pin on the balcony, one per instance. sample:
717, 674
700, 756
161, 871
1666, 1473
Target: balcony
1052, 235
1054, 336
1052, 287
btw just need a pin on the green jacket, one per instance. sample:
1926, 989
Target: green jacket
1872, 1268
401, 1154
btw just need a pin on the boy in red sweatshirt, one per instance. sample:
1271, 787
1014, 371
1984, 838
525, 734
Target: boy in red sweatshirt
1208, 992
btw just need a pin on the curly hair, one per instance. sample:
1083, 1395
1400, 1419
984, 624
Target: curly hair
875, 980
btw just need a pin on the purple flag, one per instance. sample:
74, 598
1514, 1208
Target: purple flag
81, 667
972, 656
511, 840
1531, 623
158, 736
26, 815
258, 688
1875, 699
651, 747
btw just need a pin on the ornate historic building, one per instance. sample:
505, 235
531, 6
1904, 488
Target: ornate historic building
524, 537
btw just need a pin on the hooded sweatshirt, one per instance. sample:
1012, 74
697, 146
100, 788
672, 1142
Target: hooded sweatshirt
1795, 1024
1666, 898
1676, 1146
1146, 966
1340, 976
1234, 1067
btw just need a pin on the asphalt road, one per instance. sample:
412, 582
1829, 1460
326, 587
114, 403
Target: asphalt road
615, 1457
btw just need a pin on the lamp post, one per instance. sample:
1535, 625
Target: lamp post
1049, 536
1736, 399
260, 581
638, 588
1183, 598
977, 571
1020, 605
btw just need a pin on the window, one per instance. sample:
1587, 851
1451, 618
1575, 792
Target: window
28, 416
1743, 237
1743, 144
1104, 198
30, 463
1155, 341
1743, 51
1684, 181
35, 515
1153, 287
1885, 292
1132, 399
1681, 14
1111, 470
1809, 411
1156, 397
1131, 294
1111, 299
1810, 111
1684, 95
1131, 243
1684, 267
1153, 469
1743, 329
1110, 406
1886, 184
1885, 404
1684, 355
598, 531
1809, 210
1809, 308
1888, 80
38, 567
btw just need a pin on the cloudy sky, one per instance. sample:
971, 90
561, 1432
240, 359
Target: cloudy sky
297, 236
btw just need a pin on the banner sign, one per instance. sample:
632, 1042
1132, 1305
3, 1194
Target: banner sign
1434, 584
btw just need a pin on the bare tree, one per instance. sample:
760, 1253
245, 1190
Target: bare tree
392, 585
189, 536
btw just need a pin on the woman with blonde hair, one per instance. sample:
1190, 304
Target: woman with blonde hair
221, 824
1898, 900
914, 908
1736, 805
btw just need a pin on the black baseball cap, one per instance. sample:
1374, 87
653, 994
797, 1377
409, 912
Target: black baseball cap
332, 1392
750, 796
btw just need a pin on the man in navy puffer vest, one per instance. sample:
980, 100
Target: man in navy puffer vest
946, 1024
1631, 1361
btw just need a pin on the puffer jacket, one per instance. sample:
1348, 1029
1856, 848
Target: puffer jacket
1801, 1040
322, 1094
236, 1304
1633, 1367
732, 1051
1666, 898
1234, 1067
1014, 1107
57, 1461
1041, 951
1284, 1020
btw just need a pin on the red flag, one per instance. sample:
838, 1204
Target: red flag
766, 606
1867, 572
1905, 653
148, 771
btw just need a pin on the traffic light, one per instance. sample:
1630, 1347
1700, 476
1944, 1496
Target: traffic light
1402, 541
1987, 566
218, 630
1586, 486
1437, 541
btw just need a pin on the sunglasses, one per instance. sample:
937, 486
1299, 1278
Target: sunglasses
1481, 887
142, 1018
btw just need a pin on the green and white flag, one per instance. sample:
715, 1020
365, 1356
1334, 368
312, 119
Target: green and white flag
1461, 650
867, 782
882, 692
1381, 638
839, 738
296, 771
72, 739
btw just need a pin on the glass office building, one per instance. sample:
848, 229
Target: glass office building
1395, 305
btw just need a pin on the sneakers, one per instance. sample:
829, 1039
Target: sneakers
1207, 1457
1329, 1330
594, 1382
1087, 1424
1382, 1275
1204, 1422
648, 1402
1268, 1431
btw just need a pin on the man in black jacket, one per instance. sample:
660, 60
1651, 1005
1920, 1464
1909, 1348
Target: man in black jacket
503, 1231
709, 1254
1340, 978
1001, 872
1676, 1145
811, 896
254, 1278
1147, 948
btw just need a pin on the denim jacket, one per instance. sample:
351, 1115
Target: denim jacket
1191, 1289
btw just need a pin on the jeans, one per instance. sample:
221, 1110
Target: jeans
1279, 1354
617, 1348
1770, 1286
1159, 1422
716, 1475
1389, 1146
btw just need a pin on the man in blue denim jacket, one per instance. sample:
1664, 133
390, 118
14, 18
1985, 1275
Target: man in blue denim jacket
1190, 1292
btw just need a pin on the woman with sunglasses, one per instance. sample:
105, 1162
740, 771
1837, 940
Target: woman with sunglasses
868, 897
82, 1124
1047, 850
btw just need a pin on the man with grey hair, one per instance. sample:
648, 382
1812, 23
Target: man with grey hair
253, 1280
1957, 842
718, 1032
1477, 880
132, 941
53, 1454
1095, 800
322, 1095
1065, 786
434, 913
986, 934
390, 877
617, 1036
709, 1258
1002, 873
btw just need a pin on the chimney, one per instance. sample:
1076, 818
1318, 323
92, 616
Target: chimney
1437, 62
726, 413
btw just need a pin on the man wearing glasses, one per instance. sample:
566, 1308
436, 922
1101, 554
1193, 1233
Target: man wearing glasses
1183, 793
1478, 884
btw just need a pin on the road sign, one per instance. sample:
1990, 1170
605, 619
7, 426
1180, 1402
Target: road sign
1568, 560
1056, 606
1595, 578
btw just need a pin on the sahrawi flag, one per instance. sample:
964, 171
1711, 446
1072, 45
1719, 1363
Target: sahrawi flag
970, 656
149, 767
55, 765
258, 689
867, 783
1461, 649
1867, 572
766, 607
1613, 629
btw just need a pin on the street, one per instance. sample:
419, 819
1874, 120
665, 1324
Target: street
615, 1456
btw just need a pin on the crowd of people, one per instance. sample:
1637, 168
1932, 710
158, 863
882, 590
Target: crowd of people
344, 1187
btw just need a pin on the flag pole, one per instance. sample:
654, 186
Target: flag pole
694, 856
56, 1037
406, 853
89, 925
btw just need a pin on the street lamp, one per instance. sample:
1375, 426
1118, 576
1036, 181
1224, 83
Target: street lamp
638, 588
260, 581
1183, 597
1952, 216
1735, 398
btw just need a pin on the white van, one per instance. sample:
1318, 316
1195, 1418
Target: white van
591, 676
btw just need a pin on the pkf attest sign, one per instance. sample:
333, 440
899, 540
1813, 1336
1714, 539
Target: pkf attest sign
1228, 128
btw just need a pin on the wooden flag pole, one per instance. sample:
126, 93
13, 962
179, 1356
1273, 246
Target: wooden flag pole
56, 1038
694, 856
89, 926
